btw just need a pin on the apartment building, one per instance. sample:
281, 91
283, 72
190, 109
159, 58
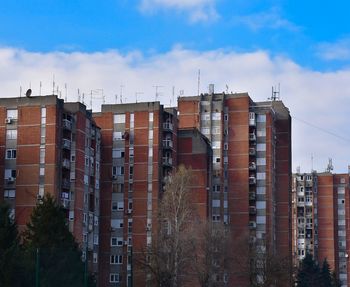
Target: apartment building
251, 184
51, 147
139, 152
320, 203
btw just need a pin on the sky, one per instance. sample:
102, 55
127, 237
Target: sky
128, 47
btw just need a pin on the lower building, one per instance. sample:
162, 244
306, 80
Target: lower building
320, 215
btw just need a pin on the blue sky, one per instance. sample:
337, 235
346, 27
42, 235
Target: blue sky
301, 30
247, 46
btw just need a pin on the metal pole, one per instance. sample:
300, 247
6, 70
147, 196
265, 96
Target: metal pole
37, 268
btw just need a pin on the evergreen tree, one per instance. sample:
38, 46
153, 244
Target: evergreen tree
59, 255
10, 269
308, 274
326, 279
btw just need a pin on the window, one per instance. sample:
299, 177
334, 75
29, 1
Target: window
117, 136
42, 155
96, 239
11, 134
151, 117
225, 146
84, 218
86, 161
150, 134
116, 259
118, 153
10, 153
226, 117
9, 193
216, 203
12, 114
117, 205
205, 117
261, 147
216, 144
120, 170
117, 223
10, 173
84, 237
216, 217
205, 131
116, 241
94, 257
119, 119
216, 116
71, 215
216, 188
114, 278
261, 118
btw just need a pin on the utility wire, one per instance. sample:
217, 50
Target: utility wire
322, 129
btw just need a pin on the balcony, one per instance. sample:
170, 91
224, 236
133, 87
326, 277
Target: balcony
252, 137
65, 184
67, 124
65, 202
66, 163
252, 166
66, 144
252, 151
167, 161
252, 224
252, 210
252, 195
167, 144
252, 180
92, 151
168, 126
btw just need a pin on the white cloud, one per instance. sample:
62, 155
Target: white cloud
197, 10
321, 99
339, 50
271, 19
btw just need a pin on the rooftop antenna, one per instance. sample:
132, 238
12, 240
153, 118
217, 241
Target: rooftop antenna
199, 81
137, 93
78, 95
53, 84
275, 93
157, 94
20, 91
116, 99
226, 89
65, 88
121, 93
329, 165
40, 85
172, 100
312, 162
83, 99
298, 169
57, 92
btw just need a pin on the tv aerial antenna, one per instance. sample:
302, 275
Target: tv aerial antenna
276, 91
329, 165
157, 93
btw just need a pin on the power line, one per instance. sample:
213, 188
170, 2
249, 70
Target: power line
322, 129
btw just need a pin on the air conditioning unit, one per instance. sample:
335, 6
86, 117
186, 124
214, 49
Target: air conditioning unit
8, 120
129, 211
114, 176
149, 226
10, 179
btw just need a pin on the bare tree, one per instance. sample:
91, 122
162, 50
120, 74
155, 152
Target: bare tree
211, 257
169, 256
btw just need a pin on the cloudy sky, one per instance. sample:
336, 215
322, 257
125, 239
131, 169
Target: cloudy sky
128, 47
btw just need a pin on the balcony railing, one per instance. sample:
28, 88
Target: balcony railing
66, 163
167, 161
252, 137
252, 151
167, 143
67, 124
252, 195
252, 166
168, 126
252, 180
66, 144
66, 184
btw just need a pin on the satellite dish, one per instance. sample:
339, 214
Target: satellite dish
28, 93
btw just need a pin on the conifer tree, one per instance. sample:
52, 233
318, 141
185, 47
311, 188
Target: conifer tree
10, 268
59, 255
